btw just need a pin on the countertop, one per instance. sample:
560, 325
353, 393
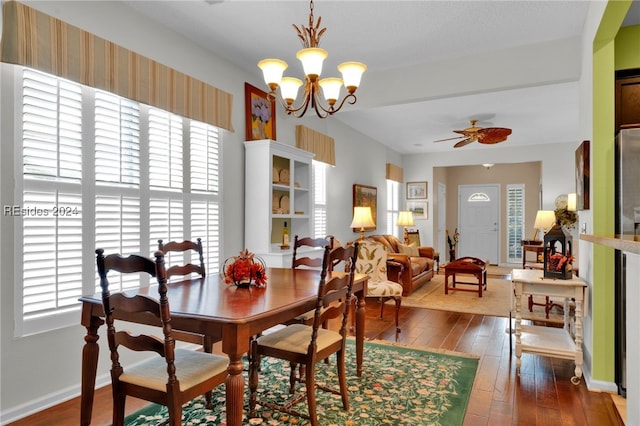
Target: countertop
629, 243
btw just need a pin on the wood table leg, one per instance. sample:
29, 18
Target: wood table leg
89, 367
234, 385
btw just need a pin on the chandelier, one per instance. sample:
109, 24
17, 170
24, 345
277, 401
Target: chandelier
311, 57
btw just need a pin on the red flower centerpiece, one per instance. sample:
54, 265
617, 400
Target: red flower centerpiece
245, 270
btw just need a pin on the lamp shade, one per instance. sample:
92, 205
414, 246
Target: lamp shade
571, 202
405, 218
544, 219
362, 218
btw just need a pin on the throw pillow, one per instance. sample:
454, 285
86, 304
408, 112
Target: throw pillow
409, 250
372, 260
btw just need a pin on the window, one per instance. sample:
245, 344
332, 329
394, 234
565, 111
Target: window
515, 222
319, 199
393, 207
98, 170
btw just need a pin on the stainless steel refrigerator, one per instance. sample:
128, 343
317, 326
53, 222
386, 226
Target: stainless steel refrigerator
627, 226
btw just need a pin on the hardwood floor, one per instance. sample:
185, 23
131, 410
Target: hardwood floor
542, 395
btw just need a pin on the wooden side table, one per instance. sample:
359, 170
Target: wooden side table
466, 265
538, 249
549, 341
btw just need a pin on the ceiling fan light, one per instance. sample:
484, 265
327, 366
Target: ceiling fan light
352, 74
272, 70
289, 88
312, 59
331, 88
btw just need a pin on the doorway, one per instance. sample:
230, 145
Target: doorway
479, 219
441, 242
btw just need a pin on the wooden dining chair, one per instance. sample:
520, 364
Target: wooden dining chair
182, 247
184, 270
170, 376
302, 344
307, 261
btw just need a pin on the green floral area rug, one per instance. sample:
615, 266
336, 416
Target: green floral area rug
400, 385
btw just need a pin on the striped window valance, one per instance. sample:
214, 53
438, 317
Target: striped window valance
320, 144
36, 40
394, 172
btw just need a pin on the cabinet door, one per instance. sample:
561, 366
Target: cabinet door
627, 101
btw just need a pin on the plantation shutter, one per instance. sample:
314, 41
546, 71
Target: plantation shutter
204, 164
319, 199
515, 222
117, 174
51, 168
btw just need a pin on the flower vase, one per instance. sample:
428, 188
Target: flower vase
259, 129
452, 255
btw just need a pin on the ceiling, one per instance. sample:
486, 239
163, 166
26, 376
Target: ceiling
394, 39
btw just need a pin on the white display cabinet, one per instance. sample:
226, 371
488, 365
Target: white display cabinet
278, 189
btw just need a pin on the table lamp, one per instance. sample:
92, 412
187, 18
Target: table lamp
362, 219
545, 220
572, 202
405, 218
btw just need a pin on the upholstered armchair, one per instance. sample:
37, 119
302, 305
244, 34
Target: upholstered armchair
372, 260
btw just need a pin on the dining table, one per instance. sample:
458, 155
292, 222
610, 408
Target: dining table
226, 313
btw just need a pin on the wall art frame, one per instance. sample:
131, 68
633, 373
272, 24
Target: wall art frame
420, 209
366, 196
417, 191
260, 114
582, 176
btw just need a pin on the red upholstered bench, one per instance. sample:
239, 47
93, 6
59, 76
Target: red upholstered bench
469, 266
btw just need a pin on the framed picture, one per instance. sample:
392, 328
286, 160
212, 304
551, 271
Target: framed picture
260, 114
417, 190
418, 208
366, 196
582, 176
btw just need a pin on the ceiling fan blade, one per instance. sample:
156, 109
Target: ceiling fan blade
492, 135
463, 143
450, 139
491, 141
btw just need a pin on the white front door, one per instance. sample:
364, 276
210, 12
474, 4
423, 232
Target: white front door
478, 211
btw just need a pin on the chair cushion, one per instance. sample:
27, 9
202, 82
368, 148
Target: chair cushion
192, 367
383, 288
372, 260
296, 337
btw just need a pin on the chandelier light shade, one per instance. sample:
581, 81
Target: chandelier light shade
312, 58
362, 218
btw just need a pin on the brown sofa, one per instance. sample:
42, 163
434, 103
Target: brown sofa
416, 270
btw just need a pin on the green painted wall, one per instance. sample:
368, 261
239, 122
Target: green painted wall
608, 51
628, 48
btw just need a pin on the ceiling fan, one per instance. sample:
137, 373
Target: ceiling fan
486, 135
